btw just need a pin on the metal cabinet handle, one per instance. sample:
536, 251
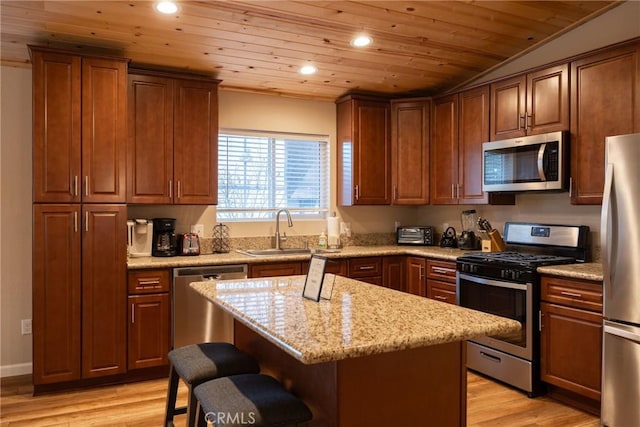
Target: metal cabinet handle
75, 185
179, 190
529, 122
86, 221
395, 192
453, 191
86, 185
571, 294
357, 192
151, 282
442, 270
75, 222
440, 297
366, 267
170, 188
421, 272
523, 124
133, 313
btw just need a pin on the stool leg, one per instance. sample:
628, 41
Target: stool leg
200, 421
172, 393
191, 407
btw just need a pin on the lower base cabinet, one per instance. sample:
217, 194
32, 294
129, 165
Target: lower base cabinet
441, 281
571, 340
415, 278
149, 313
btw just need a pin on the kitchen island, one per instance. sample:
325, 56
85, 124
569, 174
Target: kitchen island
368, 356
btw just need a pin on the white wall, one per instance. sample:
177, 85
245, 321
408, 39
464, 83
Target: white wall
252, 111
15, 219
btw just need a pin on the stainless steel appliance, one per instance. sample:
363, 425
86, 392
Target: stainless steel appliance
535, 162
139, 237
419, 235
507, 284
620, 244
195, 319
165, 241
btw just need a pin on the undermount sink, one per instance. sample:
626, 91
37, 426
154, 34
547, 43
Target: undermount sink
285, 251
274, 252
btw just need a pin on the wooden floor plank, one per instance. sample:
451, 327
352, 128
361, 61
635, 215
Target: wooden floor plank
490, 404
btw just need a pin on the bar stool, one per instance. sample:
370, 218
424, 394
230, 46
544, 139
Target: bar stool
197, 363
250, 399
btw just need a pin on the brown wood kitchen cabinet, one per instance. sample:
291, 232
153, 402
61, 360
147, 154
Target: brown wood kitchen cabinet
605, 100
571, 340
79, 127
173, 138
532, 103
459, 126
410, 151
78, 292
366, 269
273, 269
441, 281
363, 151
393, 272
415, 277
149, 314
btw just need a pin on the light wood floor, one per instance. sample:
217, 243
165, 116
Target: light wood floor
142, 404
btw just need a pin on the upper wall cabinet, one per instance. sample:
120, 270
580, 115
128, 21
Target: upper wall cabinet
363, 151
459, 127
173, 139
605, 100
410, 151
529, 104
79, 139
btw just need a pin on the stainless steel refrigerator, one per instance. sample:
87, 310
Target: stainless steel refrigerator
620, 244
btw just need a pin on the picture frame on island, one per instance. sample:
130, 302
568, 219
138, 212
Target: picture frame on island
315, 277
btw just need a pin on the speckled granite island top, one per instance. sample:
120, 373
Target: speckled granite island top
359, 320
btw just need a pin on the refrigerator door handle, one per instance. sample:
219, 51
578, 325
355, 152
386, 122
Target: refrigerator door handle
605, 225
622, 333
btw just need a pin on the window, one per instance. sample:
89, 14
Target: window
261, 172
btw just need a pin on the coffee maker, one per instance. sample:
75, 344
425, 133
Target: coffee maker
468, 239
165, 242
139, 237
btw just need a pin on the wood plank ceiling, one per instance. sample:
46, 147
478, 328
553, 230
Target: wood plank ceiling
418, 46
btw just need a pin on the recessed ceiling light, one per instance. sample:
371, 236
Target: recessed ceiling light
166, 7
308, 69
361, 41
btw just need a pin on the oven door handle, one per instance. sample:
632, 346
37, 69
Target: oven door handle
490, 282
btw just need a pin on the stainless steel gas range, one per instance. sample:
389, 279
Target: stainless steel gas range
507, 284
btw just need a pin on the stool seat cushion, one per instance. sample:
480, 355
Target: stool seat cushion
252, 398
200, 362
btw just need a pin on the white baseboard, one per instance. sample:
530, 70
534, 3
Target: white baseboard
15, 370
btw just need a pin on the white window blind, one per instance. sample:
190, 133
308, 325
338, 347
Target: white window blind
261, 172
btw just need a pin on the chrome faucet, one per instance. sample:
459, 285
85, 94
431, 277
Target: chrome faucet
289, 222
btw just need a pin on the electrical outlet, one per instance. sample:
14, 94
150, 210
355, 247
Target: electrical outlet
26, 326
198, 229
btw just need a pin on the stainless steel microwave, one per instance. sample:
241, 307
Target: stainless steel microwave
535, 162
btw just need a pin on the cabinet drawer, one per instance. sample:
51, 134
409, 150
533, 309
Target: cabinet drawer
573, 293
365, 267
441, 291
277, 269
148, 281
441, 270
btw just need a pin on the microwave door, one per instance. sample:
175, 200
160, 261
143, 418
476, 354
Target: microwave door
541, 162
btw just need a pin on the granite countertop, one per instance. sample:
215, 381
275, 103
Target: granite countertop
238, 258
586, 271
359, 320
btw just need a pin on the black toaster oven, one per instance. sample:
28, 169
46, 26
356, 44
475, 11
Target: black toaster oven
419, 235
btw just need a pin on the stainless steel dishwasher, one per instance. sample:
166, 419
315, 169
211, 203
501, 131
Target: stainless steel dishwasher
196, 319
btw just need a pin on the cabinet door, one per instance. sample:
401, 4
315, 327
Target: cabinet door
56, 293
416, 278
104, 290
444, 151
275, 269
150, 148
149, 330
548, 100
195, 161
371, 153
56, 127
104, 130
508, 108
393, 276
605, 100
473, 130
571, 349
410, 152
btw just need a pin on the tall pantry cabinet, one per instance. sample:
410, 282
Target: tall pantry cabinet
79, 215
